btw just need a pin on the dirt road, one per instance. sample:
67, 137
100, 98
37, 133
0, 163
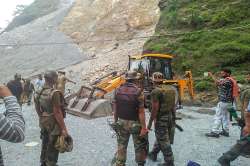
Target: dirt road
94, 145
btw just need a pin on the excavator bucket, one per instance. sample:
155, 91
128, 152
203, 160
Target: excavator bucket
86, 105
95, 109
90, 103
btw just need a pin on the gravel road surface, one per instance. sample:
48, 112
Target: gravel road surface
94, 145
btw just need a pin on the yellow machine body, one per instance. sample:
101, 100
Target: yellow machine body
91, 103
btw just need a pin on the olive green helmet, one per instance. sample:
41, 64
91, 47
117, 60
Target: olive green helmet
64, 144
51, 75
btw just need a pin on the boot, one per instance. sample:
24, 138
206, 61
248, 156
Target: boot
223, 162
224, 133
212, 134
152, 156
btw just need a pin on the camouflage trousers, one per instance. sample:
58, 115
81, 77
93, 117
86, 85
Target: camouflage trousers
162, 142
242, 147
49, 134
126, 129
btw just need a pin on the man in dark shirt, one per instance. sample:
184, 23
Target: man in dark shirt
129, 115
225, 96
28, 90
16, 87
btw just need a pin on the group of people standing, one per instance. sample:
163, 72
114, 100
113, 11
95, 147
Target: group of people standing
23, 89
48, 91
129, 117
232, 98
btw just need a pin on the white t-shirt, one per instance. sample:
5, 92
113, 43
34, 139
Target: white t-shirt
39, 84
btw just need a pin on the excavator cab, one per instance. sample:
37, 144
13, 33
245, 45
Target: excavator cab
146, 65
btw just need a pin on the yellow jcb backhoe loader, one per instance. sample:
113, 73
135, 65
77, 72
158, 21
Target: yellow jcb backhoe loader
90, 102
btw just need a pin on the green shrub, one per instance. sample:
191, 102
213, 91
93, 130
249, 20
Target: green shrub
196, 21
215, 45
204, 85
241, 79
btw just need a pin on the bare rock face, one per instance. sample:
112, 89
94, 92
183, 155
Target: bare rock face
110, 30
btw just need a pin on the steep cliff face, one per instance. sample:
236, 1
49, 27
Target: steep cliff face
97, 20
204, 35
109, 31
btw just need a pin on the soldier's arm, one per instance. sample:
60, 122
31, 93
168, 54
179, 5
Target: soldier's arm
56, 99
37, 108
155, 109
246, 129
142, 118
245, 102
155, 105
114, 108
155, 102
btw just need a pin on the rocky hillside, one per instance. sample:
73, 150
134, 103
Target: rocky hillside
98, 35
204, 35
108, 31
37, 46
32, 12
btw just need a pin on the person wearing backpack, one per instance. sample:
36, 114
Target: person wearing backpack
129, 117
227, 91
163, 114
49, 107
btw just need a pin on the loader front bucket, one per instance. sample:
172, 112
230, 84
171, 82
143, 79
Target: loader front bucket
89, 109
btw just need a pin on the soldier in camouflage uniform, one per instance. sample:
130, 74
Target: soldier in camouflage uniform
129, 115
163, 108
48, 103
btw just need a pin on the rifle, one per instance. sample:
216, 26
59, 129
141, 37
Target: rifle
114, 126
176, 125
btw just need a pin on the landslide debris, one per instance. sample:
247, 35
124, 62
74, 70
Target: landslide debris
108, 31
